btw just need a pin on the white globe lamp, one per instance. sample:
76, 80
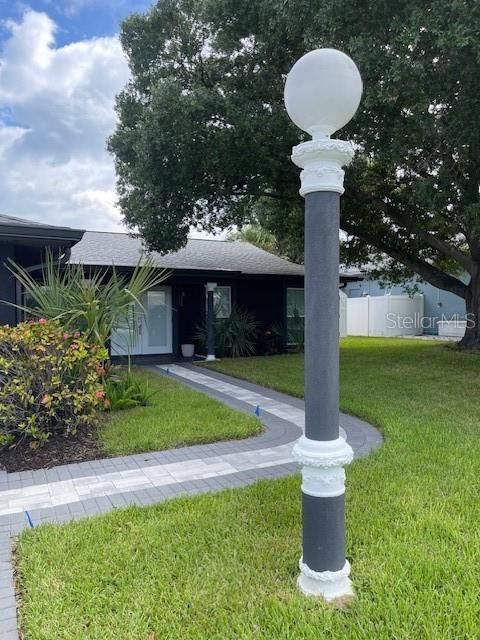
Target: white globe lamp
323, 91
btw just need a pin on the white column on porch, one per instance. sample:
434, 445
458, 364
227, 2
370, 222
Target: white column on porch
210, 321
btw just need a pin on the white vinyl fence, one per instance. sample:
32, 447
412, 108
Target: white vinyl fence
452, 328
342, 325
388, 315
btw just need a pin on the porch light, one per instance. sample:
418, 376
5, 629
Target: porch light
322, 93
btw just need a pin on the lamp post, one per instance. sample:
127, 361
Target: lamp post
322, 93
210, 321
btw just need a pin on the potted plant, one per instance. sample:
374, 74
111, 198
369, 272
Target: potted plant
188, 349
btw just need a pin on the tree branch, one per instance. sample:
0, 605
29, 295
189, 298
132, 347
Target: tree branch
428, 272
432, 240
269, 194
436, 243
447, 249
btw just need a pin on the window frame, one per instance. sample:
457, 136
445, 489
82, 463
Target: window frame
222, 286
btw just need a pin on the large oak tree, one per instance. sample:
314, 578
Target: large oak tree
203, 137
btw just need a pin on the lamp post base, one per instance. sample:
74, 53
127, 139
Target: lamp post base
323, 488
210, 358
330, 585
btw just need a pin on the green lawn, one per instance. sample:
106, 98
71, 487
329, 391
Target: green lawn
283, 373
176, 416
223, 567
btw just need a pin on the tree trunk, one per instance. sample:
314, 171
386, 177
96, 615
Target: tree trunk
471, 340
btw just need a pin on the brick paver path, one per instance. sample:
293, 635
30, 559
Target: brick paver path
89, 488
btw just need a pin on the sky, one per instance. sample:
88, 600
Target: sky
61, 66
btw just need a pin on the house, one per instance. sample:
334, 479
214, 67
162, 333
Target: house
25, 243
442, 312
241, 274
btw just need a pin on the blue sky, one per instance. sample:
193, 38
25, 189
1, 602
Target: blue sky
76, 19
61, 66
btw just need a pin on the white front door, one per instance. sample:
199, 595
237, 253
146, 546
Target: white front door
156, 332
148, 332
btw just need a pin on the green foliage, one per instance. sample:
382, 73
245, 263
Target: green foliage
203, 136
191, 145
124, 390
235, 336
273, 340
50, 382
257, 235
94, 302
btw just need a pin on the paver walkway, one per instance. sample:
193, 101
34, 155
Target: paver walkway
89, 488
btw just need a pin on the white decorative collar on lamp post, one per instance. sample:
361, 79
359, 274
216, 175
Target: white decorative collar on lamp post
322, 93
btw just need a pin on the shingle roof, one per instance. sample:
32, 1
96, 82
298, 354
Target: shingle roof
13, 221
122, 250
28, 232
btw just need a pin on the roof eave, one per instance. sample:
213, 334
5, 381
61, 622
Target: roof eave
59, 234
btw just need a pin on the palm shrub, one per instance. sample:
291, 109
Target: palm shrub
258, 236
124, 391
50, 382
235, 336
94, 303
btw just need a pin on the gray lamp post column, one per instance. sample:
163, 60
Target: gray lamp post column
210, 321
322, 93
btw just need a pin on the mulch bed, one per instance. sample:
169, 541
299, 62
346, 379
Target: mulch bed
82, 447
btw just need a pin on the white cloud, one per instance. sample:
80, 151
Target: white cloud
53, 162
8, 137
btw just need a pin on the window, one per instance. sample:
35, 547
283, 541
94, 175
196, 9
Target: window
222, 302
222, 298
295, 303
125, 335
295, 316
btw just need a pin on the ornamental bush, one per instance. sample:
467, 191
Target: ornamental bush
50, 382
235, 336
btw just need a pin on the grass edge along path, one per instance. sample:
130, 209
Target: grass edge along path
175, 417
